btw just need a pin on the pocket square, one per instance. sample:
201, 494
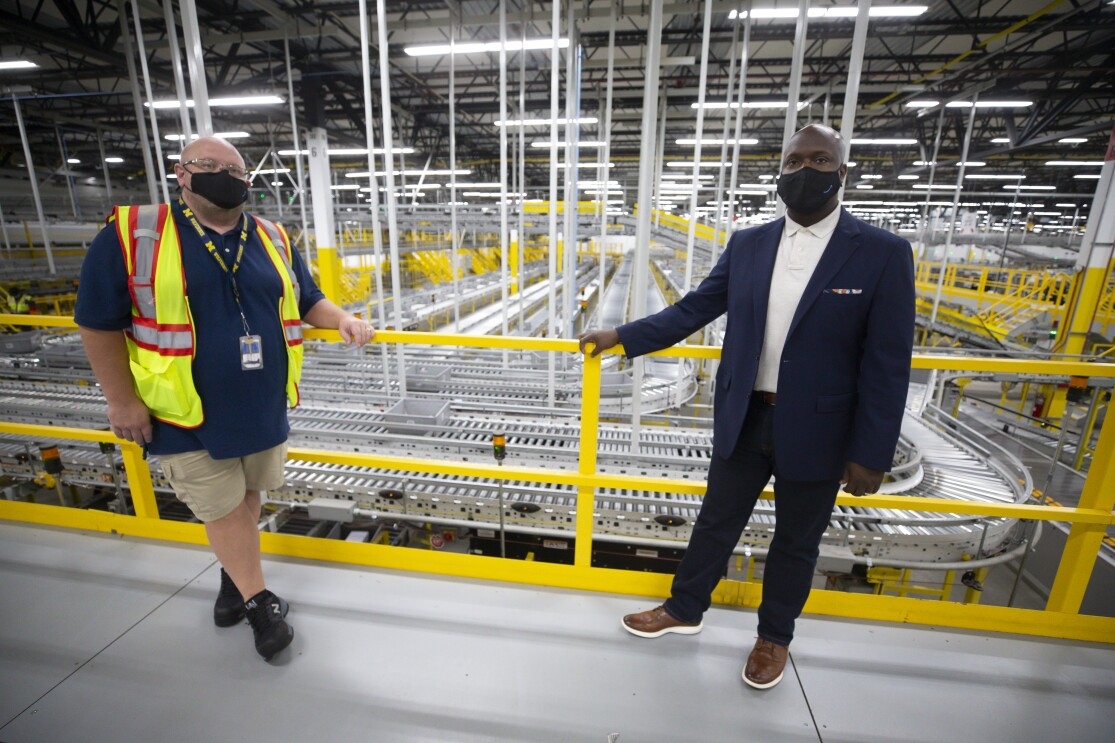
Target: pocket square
844, 291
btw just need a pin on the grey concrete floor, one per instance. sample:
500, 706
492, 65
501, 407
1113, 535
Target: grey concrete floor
111, 639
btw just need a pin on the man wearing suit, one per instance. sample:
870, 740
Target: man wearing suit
811, 387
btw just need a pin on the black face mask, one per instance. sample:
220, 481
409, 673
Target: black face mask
807, 190
220, 188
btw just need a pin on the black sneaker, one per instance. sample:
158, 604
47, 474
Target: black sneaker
229, 609
265, 613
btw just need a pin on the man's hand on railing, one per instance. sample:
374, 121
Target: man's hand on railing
601, 339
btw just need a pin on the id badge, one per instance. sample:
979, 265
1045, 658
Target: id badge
251, 353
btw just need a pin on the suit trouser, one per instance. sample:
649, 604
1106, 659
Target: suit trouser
802, 510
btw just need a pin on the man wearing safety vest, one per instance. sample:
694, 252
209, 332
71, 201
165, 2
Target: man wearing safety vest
191, 315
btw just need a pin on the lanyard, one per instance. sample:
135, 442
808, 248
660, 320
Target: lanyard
220, 261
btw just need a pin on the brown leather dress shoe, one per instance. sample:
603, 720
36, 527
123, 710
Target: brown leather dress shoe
657, 622
765, 664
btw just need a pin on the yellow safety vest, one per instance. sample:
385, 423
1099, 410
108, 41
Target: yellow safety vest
161, 339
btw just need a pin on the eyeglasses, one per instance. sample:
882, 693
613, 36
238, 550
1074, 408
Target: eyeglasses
209, 165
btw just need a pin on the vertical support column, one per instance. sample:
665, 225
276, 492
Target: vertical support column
297, 149
179, 81
572, 160
851, 93
160, 171
34, 184
603, 173
691, 238
640, 273
137, 100
720, 213
195, 61
389, 179
454, 253
324, 234
504, 275
552, 246
1096, 252
743, 59
795, 76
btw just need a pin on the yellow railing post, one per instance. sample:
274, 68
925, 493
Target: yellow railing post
586, 458
139, 481
1083, 543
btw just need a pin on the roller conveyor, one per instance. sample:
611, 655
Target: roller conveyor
347, 396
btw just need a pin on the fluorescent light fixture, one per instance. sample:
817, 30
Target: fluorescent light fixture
114, 159
884, 141
240, 100
1047, 214
408, 187
871, 177
701, 164
741, 140
378, 173
881, 11
924, 162
934, 187
592, 165
342, 151
462, 184
989, 104
766, 177
222, 135
546, 122
1073, 140
994, 177
922, 104
490, 194
863, 187
270, 171
1066, 206
1087, 177
276, 183
586, 143
970, 164
717, 105
1001, 140
73, 161
909, 177
1008, 187
1076, 163
173, 157
482, 47
17, 64
346, 187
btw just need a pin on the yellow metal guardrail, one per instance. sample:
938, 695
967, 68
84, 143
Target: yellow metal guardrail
1060, 618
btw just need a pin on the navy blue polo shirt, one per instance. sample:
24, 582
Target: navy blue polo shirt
245, 411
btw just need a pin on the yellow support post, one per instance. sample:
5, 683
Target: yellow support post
329, 271
1083, 543
586, 460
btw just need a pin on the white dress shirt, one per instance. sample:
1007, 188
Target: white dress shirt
798, 254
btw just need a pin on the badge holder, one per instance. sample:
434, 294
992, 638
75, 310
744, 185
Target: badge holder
251, 353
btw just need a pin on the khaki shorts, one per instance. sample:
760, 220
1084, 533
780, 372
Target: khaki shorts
213, 488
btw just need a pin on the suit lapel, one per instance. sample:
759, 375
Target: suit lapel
840, 248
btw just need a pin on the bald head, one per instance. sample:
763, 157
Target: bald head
816, 137
213, 148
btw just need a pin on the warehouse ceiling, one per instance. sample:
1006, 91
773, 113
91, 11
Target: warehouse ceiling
79, 102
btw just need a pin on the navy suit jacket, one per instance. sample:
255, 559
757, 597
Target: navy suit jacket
845, 367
